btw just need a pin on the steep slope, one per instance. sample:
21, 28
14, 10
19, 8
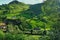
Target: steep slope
36, 8
16, 8
13, 8
51, 9
51, 12
33, 11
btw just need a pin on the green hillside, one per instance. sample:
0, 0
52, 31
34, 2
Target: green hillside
30, 22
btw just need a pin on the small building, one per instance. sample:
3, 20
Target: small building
3, 27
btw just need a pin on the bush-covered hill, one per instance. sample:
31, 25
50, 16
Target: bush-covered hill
44, 17
24, 12
13, 8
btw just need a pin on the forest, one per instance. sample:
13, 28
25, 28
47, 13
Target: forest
20, 21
